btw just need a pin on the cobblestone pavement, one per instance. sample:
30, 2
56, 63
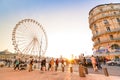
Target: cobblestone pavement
10, 74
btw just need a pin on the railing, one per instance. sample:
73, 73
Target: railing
114, 39
103, 11
104, 32
106, 53
102, 16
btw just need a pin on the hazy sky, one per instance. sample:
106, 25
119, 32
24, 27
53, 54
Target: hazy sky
65, 22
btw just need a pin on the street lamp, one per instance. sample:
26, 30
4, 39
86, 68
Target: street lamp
40, 51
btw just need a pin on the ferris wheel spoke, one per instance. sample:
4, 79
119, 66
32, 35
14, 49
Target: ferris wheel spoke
27, 47
21, 34
32, 49
21, 45
22, 29
20, 37
27, 28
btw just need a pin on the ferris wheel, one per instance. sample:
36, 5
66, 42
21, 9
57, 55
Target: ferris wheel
29, 38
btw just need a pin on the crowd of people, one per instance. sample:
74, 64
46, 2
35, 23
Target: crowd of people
52, 64
96, 63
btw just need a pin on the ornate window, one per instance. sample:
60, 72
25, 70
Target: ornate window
114, 12
95, 26
118, 20
111, 37
106, 22
115, 46
108, 29
101, 9
96, 32
98, 40
91, 14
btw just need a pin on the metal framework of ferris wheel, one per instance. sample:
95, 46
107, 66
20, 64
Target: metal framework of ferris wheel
29, 38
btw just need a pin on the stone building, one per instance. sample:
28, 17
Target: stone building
104, 22
7, 55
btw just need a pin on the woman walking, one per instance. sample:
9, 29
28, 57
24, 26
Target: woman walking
94, 63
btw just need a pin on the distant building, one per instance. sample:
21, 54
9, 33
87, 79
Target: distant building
7, 55
104, 22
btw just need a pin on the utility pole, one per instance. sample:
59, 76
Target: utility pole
40, 51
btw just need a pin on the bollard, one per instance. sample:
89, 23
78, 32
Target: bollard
81, 71
86, 70
105, 71
71, 69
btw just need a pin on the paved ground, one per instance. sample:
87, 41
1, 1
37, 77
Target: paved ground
112, 70
10, 74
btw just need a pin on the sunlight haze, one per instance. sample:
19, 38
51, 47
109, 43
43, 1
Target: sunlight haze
65, 22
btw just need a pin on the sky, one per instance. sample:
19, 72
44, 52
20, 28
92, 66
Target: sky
65, 22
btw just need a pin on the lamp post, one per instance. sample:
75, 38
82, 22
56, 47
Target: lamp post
40, 51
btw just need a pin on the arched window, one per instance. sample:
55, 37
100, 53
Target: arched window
95, 26
96, 32
115, 46
106, 22
108, 29
101, 9
111, 37
118, 20
98, 40
114, 12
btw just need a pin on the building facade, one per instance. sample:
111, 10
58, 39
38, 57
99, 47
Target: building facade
7, 55
104, 22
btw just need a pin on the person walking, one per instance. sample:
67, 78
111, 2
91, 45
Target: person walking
62, 65
43, 65
56, 64
49, 66
16, 64
84, 62
94, 63
30, 65
98, 63
52, 64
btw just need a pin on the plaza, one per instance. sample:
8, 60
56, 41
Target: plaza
10, 74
